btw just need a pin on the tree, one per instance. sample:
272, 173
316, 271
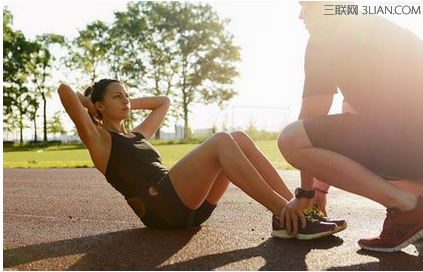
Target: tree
126, 57
206, 55
90, 49
31, 110
153, 46
185, 51
17, 55
161, 52
41, 71
55, 125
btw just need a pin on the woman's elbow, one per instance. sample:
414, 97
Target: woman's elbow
166, 100
62, 89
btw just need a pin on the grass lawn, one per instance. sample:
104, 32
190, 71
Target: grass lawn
70, 157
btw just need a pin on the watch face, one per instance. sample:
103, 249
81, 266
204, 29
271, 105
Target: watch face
300, 193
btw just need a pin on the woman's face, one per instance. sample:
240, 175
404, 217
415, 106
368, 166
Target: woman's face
115, 104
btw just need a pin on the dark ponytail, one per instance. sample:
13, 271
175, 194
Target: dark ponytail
88, 92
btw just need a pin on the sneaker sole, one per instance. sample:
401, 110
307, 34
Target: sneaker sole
341, 228
412, 239
316, 235
283, 234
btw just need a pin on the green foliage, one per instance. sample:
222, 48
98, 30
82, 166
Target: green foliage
206, 55
90, 49
18, 55
260, 135
178, 49
41, 70
55, 125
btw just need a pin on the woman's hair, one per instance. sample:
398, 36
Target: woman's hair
96, 92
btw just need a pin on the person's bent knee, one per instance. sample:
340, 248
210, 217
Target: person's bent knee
238, 134
243, 140
222, 138
290, 140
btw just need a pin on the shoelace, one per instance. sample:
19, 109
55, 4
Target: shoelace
308, 213
312, 210
316, 211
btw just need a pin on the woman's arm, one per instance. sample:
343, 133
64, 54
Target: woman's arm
76, 106
159, 106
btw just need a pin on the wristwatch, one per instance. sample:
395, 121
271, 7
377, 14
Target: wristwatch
300, 193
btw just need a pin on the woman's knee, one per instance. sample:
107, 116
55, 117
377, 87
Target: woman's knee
291, 139
242, 139
222, 138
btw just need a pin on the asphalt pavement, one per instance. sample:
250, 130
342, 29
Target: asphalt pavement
72, 219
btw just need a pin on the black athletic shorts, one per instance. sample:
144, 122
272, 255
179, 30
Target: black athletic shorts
166, 210
393, 149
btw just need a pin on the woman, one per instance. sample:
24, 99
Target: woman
185, 195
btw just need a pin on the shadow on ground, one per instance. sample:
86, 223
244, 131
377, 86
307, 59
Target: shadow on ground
148, 249
389, 261
135, 249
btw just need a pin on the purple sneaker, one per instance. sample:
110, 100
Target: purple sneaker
315, 212
313, 230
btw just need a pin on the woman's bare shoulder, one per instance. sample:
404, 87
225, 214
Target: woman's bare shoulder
99, 147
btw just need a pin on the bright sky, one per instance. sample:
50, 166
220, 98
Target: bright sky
271, 36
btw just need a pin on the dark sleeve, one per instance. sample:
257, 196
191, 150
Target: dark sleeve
319, 70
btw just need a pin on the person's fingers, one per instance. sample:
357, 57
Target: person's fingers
288, 222
294, 218
303, 220
282, 217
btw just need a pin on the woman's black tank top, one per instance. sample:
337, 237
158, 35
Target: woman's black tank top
134, 165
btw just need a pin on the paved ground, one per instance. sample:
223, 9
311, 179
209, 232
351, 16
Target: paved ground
57, 219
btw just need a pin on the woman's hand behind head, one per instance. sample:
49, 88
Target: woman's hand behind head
87, 103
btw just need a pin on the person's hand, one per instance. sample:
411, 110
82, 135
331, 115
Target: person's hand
320, 200
91, 108
291, 212
89, 105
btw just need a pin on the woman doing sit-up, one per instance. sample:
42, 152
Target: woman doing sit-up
186, 194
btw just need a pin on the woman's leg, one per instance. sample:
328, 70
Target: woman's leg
194, 175
260, 162
416, 188
220, 185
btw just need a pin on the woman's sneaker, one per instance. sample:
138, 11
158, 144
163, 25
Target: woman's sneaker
399, 230
316, 213
314, 229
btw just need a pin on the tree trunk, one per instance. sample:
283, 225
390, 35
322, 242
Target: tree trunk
187, 131
93, 76
157, 134
20, 127
35, 129
44, 117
